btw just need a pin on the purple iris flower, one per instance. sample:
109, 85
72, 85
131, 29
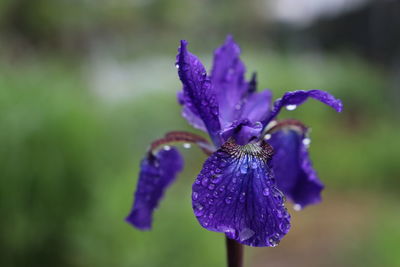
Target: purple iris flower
254, 160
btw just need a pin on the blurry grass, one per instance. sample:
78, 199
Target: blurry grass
69, 163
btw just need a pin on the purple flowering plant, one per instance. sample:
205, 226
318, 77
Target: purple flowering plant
254, 160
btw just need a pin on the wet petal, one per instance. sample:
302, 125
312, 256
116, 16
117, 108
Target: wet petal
192, 118
198, 94
157, 172
293, 170
293, 99
242, 131
236, 194
257, 106
228, 79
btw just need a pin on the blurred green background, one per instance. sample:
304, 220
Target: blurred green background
86, 85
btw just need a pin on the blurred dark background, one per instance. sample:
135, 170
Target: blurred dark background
86, 85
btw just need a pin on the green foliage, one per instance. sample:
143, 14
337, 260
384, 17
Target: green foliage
69, 162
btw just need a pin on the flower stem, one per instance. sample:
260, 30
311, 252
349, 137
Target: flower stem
234, 252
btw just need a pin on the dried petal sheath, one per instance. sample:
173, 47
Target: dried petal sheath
235, 193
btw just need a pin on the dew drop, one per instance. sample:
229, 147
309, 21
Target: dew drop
204, 182
245, 234
266, 191
242, 197
306, 141
238, 106
216, 179
228, 200
211, 186
258, 124
297, 207
253, 165
267, 137
272, 242
243, 169
198, 209
176, 65
166, 148
284, 226
222, 188
195, 195
187, 145
291, 107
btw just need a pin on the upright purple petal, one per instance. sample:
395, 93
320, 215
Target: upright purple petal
257, 106
227, 77
242, 131
157, 172
235, 193
198, 94
293, 170
293, 99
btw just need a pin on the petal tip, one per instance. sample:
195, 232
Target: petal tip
138, 224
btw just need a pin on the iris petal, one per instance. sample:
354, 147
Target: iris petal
157, 172
227, 77
198, 94
292, 166
235, 193
296, 98
191, 117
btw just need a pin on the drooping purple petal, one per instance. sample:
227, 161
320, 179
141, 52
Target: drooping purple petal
227, 77
235, 193
293, 170
157, 172
198, 94
296, 98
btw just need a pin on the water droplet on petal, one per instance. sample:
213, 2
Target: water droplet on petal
284, 227
267, 137
242, 197
306, 141
228, 200
243, 168
187, 145
166, 148
211, 186
266, 191
297, 207
195, 195
238, 106
176, 65
253, 165
258, 124
245, 234
291, 107
204, 182
198, 209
